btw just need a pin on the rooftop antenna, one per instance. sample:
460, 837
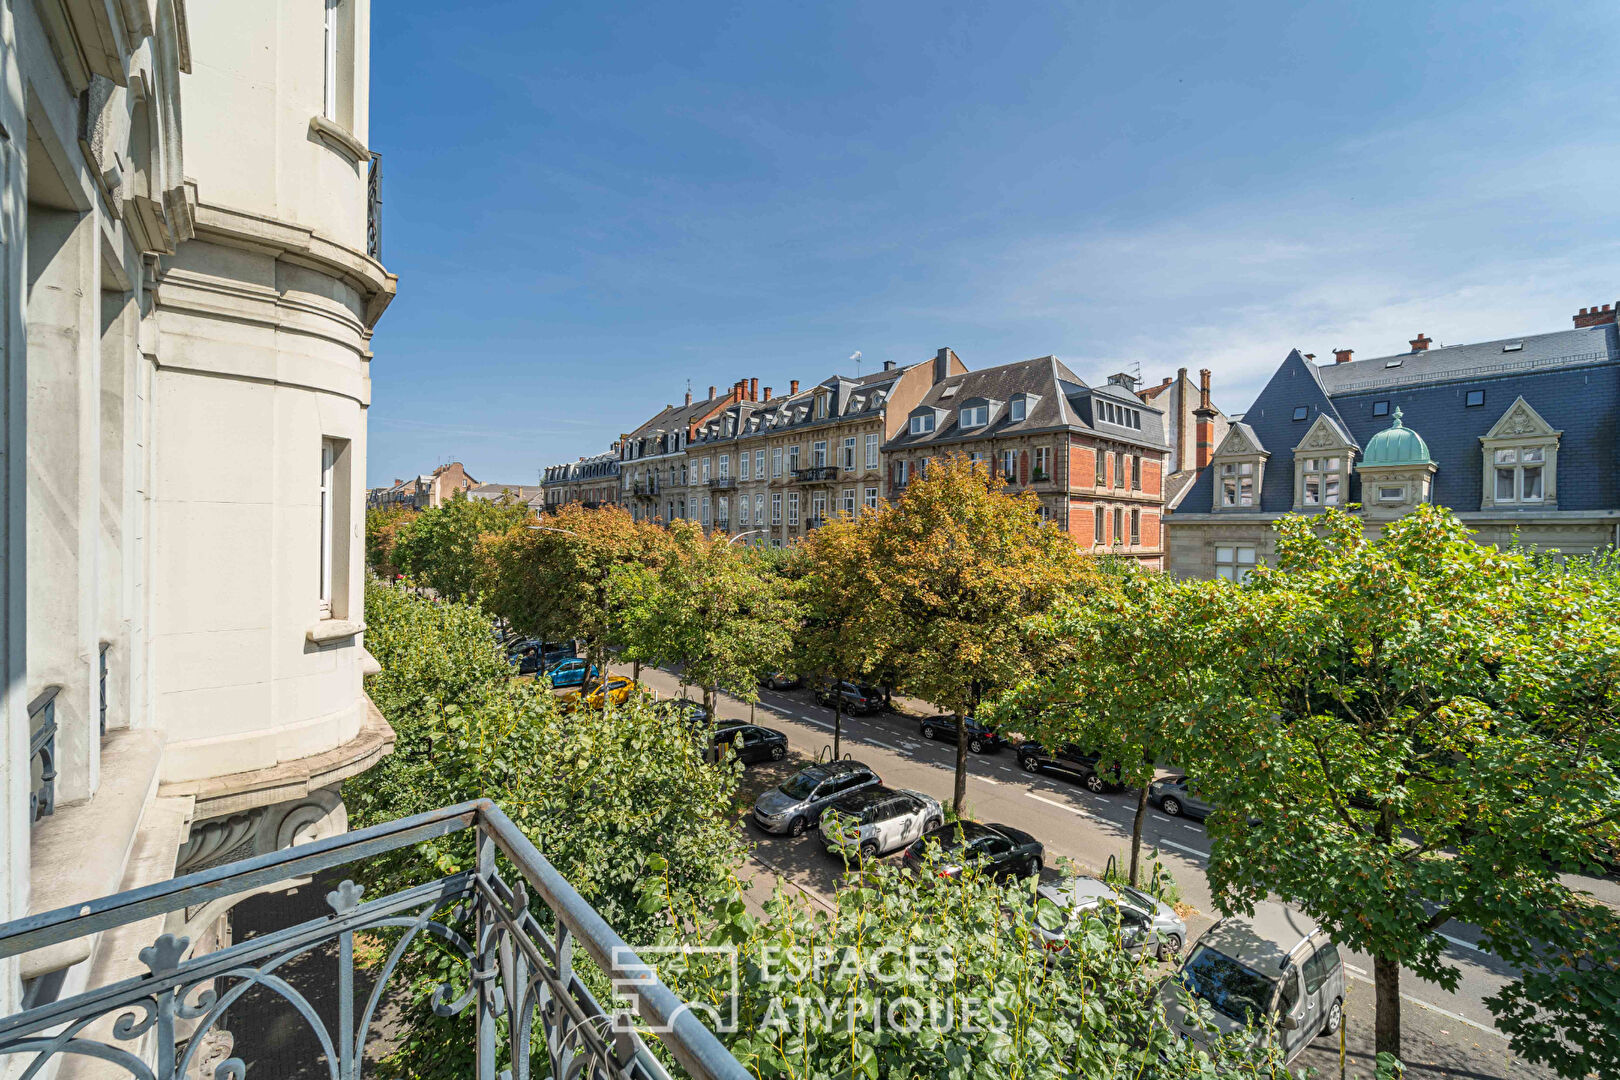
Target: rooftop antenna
857, 358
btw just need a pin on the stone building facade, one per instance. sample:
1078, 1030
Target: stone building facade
652, 469
1094, 456
1193, 428
1517, 437
592, 481
190, 282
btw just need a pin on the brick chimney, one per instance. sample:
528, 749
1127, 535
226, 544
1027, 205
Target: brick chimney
1205, 417
711, 393
767, 393
1342, 356
753, 389
942, 365
1594, 316
1420, 343
793, 387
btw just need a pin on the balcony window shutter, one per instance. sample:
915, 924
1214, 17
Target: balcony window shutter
1023, 466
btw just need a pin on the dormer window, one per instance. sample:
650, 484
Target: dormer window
973, 416
821, 406
1018, 410
1322, 481
922, 423
1237, 484
1322, 463
1240, 464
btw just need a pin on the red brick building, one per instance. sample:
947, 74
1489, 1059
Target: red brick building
1095, 456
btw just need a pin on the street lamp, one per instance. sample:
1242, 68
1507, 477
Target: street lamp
736, 538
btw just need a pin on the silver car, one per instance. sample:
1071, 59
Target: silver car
797, 804
878, 820
1145, 922
1178, 795
1277, 968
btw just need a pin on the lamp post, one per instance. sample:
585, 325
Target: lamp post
734, 539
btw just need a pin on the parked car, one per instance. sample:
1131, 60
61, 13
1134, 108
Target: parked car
857, 699
1004, 850
751, 743
1070, 760
571, 672
782, 680
531, 655
1177, 796
797, 804
980, 739
1277, 968
1144, 922
616, 690
876, 820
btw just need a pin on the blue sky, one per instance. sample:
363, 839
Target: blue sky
589, 205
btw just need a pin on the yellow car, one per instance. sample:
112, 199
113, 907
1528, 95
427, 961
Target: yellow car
617, 691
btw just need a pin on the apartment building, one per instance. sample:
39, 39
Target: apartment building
1516, 436
776, 467
425, 491
1094, 456
652, 458
592, 481
1193, 428
191, 279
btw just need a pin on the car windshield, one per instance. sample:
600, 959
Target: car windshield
801, 786
1231, 988
1138, 900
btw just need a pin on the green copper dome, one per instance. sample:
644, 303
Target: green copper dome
1396, 445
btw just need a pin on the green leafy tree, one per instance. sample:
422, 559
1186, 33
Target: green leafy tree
964, 570
1423, 729
440, 548
384, 528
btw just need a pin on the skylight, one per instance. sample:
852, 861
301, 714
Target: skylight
948, 392
1392, 363
1513, 346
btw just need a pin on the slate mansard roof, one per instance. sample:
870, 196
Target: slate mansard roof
1061, 401
1570, 377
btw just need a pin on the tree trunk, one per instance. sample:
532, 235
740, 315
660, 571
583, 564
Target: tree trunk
635, 671
1387, 991
960, 795
1136, 832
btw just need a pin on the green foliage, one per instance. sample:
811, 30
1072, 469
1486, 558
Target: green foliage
905, 948
440, 548
384, 528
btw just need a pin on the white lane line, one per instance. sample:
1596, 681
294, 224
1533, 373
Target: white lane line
1358, 971
1464, 944
1075, 810
987, 779
1194, 828
1184, 847
1006, 768
1420, 1003
885, 745
813, 720
1160, 817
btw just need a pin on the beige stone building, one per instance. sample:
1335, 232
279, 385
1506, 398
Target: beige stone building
652, 458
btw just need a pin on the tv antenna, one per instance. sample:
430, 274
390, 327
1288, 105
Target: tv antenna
856, 356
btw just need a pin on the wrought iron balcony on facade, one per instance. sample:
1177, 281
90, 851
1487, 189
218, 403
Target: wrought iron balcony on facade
646, 487
42, 750
516, 923
816, 474
722, 483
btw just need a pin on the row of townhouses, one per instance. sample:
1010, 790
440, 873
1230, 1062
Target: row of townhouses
442, 484
1100, 460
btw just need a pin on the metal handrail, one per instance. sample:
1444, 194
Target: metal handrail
514, 963
42, 748
816, 474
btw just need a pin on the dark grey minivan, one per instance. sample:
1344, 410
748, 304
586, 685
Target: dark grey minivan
1278, 968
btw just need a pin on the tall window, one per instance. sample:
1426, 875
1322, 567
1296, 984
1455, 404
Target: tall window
1009, 465
1102, 467
902, 473
1136, 472
759, 464
328, 471
818, 453
706, 470
793, 458
724, 516
776, 461
759, 509
1519, 474
871, 451
1234, 563
1237, 484
1119, 469
705, 511
848, 506
1321, 482
1136, 527
776, 508
848, 455
871, 499
1100, 529
742, 466
338, 62
1043, 463
818, 508
725, 466
1119, 524
793, 507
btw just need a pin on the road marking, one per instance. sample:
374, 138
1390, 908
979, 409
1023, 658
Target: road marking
1358, 971
885, 745
1006, 768
1194, 828
1420, 1003
1184, 847
813, 720
1464, 944
1160, 817
1061, 806
988, 780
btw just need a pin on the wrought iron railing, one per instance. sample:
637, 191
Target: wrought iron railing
816, 474
42, 754
520, 985
374, 208
723, 483
104, 648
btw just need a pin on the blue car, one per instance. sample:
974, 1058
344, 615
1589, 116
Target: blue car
571, 672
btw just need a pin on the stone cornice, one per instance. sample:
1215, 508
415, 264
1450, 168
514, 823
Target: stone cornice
302, 245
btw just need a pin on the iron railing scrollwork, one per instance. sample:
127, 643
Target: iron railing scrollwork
374, 207
42, 755
518, 942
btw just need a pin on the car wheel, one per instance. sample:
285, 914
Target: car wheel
1170, 805
1030, 765
778, 752
796, 827
932, 823
1096, 784
1169, 946
976, 745
928, 732
1035, 867
868, 851
1335, 1017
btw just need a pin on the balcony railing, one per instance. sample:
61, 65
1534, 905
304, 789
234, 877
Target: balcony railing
816, 474
646, 487
42, 755
517, 940
723, 483
374, 208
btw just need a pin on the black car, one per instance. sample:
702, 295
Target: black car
857, 698
980, 739
751, 743
692, 712
1005, 851
1070, 760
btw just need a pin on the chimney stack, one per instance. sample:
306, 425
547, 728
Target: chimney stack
689, 398
1342, 356
767, 393
793, 386
753, 389
711, 393
1204, 416
888, 365
1420, 343
942, 365
1596, 317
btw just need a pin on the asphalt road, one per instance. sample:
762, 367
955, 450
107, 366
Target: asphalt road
1445, 1035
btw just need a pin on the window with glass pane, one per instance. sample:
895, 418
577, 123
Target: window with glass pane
849, 501
1119, 468
793, 508
849, 454
818, 453
1520, 474
1234, 562
1136, 527
871, 451
1102, 468
1321, 482
1119, 523
776, 461
776, 508
871, 498
1136, 473
1043, 460
725, 466
793, 459
759, 509
1017, 410
1009, 464
742, 467
1097, 535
